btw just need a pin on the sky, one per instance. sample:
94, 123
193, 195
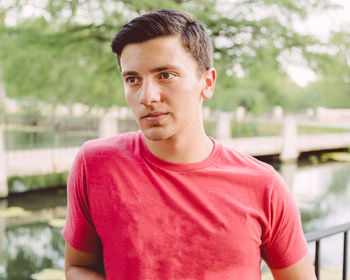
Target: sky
319, 25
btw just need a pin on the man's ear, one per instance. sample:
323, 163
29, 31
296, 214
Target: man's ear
209, 78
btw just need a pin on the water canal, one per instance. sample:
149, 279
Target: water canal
31, 224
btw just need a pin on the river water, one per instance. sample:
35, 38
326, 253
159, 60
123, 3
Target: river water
31, 224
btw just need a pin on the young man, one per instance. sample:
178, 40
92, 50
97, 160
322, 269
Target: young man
167, 202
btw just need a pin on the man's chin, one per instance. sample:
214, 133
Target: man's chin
155, 134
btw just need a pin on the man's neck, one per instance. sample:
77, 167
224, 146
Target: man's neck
190, 149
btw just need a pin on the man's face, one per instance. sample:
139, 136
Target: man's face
162, 87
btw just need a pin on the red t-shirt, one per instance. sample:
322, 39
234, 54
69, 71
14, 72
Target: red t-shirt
213, 219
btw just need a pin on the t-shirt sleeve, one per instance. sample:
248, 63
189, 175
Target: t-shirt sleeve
283, 241
79, 230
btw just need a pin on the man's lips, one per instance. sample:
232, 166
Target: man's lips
154, 116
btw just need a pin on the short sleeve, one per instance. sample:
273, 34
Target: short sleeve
79, 230
283, 242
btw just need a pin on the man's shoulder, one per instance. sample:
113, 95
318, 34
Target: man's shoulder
247, 166
120, 143
258, 175
244, 160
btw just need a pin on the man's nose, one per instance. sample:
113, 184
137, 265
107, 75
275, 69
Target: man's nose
149, 92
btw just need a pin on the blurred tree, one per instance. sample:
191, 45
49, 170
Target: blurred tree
332, 64
63, 53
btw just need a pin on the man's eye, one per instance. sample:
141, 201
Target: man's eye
166, 76
131, 80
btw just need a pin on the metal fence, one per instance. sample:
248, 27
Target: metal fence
317, 236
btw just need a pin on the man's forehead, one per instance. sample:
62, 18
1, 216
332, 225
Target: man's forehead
152, 55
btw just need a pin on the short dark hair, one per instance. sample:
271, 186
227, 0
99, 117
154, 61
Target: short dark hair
166, 22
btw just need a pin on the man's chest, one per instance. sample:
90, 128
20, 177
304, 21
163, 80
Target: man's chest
182, 223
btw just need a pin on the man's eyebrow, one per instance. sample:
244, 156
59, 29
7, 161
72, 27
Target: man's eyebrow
129, 73
153, 70
165, 67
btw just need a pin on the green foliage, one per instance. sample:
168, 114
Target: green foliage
65, 69
255, 129
36, 182
64, 56
320, 130
333, 88
31, 130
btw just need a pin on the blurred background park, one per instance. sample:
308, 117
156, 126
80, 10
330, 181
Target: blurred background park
282, 95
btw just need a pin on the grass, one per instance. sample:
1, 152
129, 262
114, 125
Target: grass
320, 130
255, 129
18, 184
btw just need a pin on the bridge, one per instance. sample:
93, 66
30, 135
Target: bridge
274, 145
288, 147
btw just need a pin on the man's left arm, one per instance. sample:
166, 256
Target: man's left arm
285, 249
302, 270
